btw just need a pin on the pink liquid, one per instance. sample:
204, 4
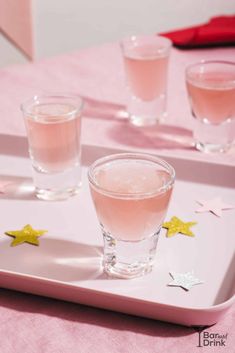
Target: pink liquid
146, 72
212, 96
133, 216
54, 140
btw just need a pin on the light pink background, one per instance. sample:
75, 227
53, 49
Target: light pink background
34, 324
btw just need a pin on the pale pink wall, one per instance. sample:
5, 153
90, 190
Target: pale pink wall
16, 24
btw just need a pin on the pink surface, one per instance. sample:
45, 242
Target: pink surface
59, 260
33, 324
66, 265
97, 73
16, 24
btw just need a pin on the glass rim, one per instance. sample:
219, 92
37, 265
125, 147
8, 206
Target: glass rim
26, 106
132, 37
209, 62
131, 155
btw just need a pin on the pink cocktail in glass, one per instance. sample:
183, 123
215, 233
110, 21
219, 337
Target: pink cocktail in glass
211, 90
53, 125
146, 73
131, 194
146, 65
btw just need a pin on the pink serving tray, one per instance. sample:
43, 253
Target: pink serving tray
67, 264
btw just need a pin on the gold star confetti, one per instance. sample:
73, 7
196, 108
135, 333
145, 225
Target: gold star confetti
177, 226
25, 235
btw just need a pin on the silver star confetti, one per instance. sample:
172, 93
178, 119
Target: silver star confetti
185, 280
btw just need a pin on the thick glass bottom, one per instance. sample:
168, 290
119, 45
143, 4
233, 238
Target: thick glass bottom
57, 186
146, 113
211, 138
55, 195
212, 147
128, 259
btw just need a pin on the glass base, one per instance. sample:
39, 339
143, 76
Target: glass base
212, 147
128, 259
211, 138
147, 113
55, 195
57, 186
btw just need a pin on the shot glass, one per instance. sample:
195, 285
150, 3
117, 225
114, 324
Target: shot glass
146, 66
131, 194
211, 91
53, 125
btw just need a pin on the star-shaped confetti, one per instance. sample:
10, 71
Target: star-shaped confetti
184, 280
215, 206
177, 226
25, 235
3, 186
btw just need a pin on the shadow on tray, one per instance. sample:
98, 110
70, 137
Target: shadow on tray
152, 137
159, 136
17, 188
56, 259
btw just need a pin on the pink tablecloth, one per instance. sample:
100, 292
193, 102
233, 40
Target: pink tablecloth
34, 324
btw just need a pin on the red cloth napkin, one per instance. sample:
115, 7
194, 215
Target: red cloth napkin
217, 32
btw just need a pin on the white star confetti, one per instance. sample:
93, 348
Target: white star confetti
185, 280
216, 206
